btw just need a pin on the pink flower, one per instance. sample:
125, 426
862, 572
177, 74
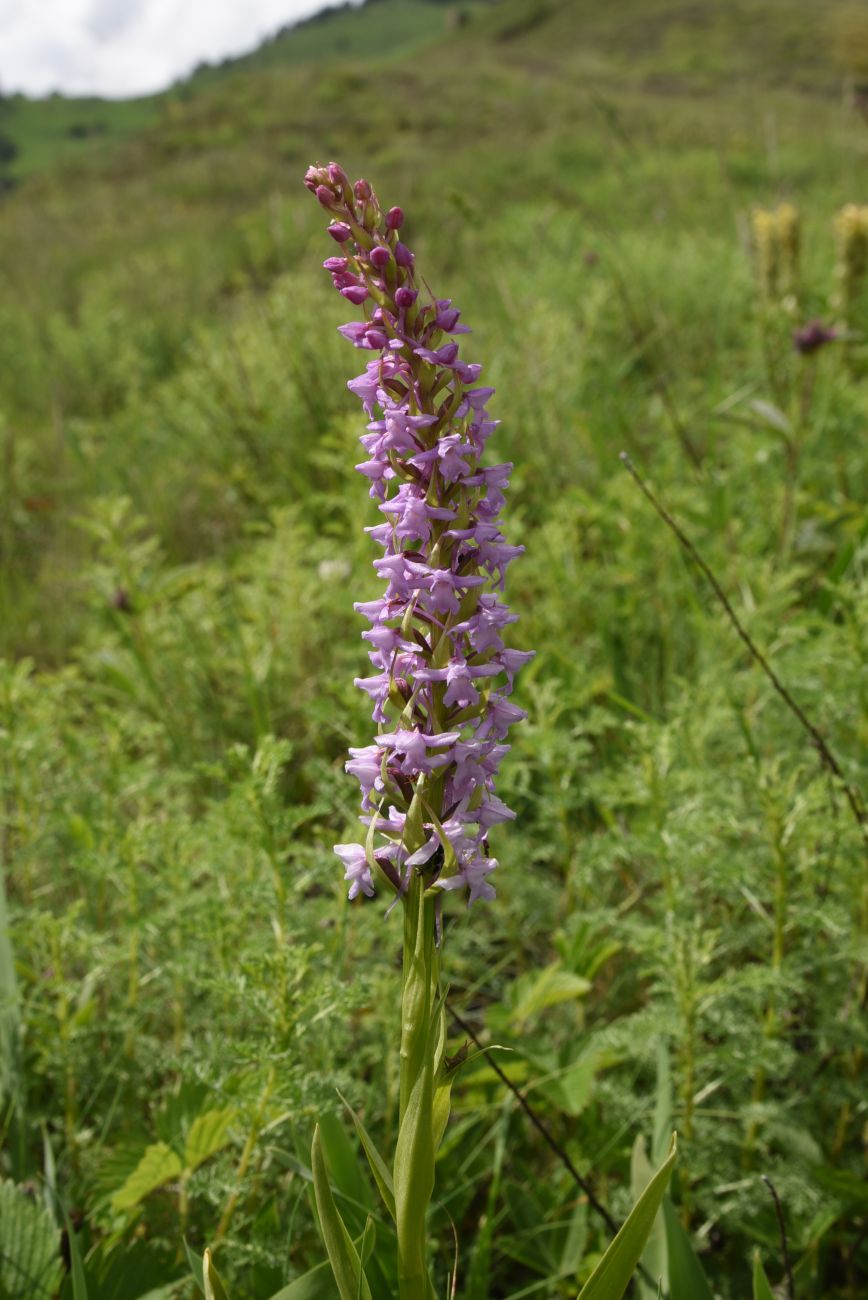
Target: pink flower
442, 674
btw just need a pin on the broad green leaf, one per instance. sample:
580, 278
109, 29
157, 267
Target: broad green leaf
761, 1288
571, 1088
380, 1170
611, 1277
534, 993
687, 1280
29, 1247
654, 1256
207, 1135
342, 1254
158, 1166
214, 1288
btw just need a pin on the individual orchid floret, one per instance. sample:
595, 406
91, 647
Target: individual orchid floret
442, 673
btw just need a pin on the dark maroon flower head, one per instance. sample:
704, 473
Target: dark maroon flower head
813, 336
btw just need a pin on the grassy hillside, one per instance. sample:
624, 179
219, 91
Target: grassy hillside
181, 540
57, 127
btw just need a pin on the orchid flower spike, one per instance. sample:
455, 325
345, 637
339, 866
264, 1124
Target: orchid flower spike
442, 673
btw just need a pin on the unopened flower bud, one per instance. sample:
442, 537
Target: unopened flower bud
339, 231
356, 293
380, 257
338, 176
336, 264
405, 297
403, 256
326, 196
315, 176
394, 218
362, 191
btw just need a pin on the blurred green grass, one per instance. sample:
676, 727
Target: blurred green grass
181, 540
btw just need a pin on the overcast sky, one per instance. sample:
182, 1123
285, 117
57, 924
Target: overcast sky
128, 47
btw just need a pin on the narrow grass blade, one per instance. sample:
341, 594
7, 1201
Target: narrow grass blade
76, 1264
611, 1277
761, 1288
196, 1267
9, 1004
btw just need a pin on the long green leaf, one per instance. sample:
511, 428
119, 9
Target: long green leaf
611, 1277
214, 1288
318, 1283
761, 1288
366, 1250
687, 1281
662, 1105
380, 1170
344, 1258
654, 1257
346, 1172
196, 1266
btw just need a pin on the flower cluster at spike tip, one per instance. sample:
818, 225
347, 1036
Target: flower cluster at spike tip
442, 675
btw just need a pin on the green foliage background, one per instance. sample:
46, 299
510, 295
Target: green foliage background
181, 542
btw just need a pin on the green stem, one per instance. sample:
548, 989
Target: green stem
414, 1155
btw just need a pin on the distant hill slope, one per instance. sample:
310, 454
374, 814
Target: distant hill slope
664, 45
36, 132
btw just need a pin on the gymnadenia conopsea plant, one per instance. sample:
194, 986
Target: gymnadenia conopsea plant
440, 692
442, 674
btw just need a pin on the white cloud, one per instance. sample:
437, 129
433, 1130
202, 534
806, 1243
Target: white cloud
119, 48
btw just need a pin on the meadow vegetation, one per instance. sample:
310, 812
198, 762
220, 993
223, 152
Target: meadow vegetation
679, 938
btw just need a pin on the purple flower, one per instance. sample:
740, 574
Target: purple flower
811, 337
442, 675
357, 870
